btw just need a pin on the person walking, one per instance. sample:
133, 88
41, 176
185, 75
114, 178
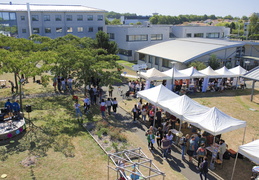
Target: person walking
135, 111
109, 105
170, 136
165, 146
114, 105
151, 140
159, 136
77, 108
110, 90
103, 108
204, 168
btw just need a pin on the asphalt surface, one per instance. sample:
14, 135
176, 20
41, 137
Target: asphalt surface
175, 161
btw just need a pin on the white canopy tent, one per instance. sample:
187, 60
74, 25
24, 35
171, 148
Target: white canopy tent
182, 105
192, 73
156, 94
215, 121
153, 74
209, 72
250, 150
224, 72
238, 70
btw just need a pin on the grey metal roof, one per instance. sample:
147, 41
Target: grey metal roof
48, 8
253, 74
187, 49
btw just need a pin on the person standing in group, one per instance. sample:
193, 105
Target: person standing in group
77, 108
201, 153
59, 83
103, 108
170, 136
9, 107
110, 90
204, 168
109, 105
87, 104
165, 145
144, 113
222, 149
54, 83
150, 139
12, 86
114, 105
159, 136
63, 83
16, 108
191, 148
184, 144
69, 83
135, 112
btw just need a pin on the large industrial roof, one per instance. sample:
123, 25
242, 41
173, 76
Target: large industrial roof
187, 49
48, 8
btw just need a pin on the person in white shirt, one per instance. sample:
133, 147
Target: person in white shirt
87, 104
77, 108
109, 105
114, 105
69, 83
222, 149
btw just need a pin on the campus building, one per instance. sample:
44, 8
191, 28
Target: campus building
20, 20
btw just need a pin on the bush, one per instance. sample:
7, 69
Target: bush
101, 124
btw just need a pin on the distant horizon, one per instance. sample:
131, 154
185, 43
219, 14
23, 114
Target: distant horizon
222, 8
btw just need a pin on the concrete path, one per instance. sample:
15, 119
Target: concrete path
174, 161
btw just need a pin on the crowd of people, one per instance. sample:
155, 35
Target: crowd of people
63, 84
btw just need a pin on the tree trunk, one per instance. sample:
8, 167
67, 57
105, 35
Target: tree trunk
16, 83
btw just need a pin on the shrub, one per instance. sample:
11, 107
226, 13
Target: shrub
101, 124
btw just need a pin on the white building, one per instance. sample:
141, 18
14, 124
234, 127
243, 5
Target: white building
131, 38
52, 20
182, 51
200, 31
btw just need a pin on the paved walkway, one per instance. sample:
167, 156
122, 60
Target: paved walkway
175, 162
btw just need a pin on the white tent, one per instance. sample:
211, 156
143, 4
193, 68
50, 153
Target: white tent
192, 73
156, 94
176, 74
250, 150
153, 74
238, 70
215, 121
182, 105
209, 72
224, 72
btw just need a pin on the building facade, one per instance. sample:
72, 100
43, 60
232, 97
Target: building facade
50, 20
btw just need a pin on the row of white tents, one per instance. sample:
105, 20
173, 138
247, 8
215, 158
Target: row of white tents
190, 73
211, 120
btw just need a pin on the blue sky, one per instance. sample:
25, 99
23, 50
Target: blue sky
165, 7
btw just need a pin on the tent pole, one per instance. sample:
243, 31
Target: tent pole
234, 166
244, 136
252, 94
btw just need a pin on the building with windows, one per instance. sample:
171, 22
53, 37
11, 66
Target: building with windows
50, 20
131, 38
182, 51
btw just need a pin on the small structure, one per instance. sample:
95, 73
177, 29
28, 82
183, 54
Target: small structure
254, 76
136, 163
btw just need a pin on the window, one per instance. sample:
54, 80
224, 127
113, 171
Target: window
90, 17
47, 30
198, 34
156, 37
59, 30
99, 17
36, 30
90, 29
111, 35
157, 61
46, 17
79, 17
188, 35
69, 17
80, 29
165, 63
100, 28
212, 35
136, 38
5, 16
125, 52
69, 29
12, 16
150, 59
22, 18
142, 57
58, 18
35, 18
24, 31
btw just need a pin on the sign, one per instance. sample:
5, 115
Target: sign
138, 67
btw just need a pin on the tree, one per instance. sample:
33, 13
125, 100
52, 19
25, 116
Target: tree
197, 64
253, 26
102, 41
214, 62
